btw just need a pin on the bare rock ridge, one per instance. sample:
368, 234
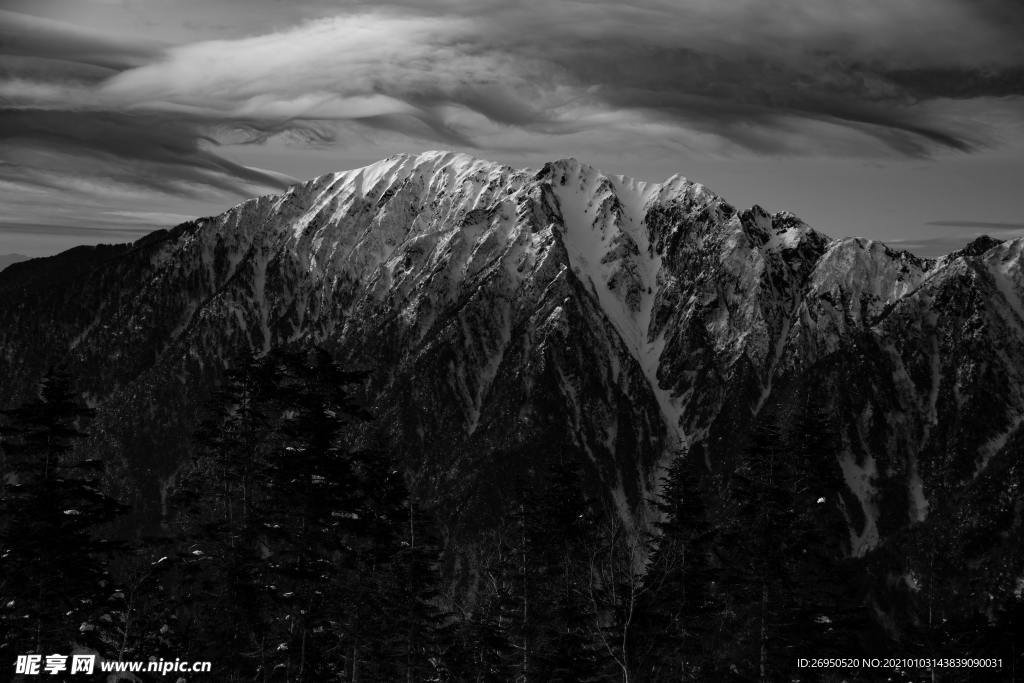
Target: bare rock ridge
504, 312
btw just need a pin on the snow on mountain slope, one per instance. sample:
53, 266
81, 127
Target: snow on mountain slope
609, 247
1004, 265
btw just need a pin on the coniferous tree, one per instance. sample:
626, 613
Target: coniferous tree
220, 501
53, 555
681, 621
500, 635
534, 616
560, 527
480, 648
754, 555
786, 582
827, 609
420, 628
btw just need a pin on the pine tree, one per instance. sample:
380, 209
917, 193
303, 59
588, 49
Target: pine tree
788, 588
827, 609
754, 554
479, 647
681, 621
219, 566
534, 615
560, 524
418, 627
53, 556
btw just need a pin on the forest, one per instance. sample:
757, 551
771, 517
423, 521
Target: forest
291, 552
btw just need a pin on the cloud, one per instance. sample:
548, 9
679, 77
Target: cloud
979, 225
931, 247
740, 70
846, 77
386, 72
31, 36
966, 231
112, 233
56, 124
161, 151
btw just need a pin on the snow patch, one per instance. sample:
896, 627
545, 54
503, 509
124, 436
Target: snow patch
992, 448
918, 501
860, 480
1004, 264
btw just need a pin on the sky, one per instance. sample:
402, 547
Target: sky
897, 120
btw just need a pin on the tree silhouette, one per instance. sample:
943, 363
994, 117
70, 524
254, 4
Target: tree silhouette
681, 621
53, 556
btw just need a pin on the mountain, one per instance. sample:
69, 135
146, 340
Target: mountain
505, 314
8, 259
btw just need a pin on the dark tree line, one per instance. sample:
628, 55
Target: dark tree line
54, 558
748, 572
297, 554
313, 561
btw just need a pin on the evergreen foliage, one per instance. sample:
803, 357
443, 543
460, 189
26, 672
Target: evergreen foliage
748, 570
54, 578
297, 553
682, 621
320, 560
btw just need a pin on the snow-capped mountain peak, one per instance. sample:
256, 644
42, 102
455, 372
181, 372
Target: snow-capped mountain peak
499, 309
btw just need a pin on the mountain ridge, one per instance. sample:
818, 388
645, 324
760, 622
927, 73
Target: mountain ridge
627, 320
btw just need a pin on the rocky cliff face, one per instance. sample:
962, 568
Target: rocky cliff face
505, 313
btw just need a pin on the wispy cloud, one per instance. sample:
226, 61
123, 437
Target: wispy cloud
930, 247
846, 77
736, 70
31, 36
979, 225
